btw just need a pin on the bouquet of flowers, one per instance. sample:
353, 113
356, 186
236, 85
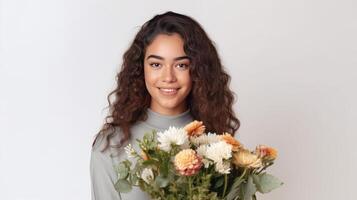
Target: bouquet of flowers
187, 163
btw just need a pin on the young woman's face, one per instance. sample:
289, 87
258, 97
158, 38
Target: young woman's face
167, 74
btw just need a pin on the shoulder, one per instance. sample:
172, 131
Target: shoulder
111, 137
103, 157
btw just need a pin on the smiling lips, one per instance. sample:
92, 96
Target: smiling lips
169, 91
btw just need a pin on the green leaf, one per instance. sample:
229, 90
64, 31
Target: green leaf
123, 186
127, 163
122, 171
149, 162
266, 182
219, 183
134, 179
162, 181
248, 189
164, 168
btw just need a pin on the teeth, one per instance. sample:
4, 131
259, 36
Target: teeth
167, 90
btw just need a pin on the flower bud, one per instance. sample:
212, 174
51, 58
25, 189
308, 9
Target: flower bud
266, 153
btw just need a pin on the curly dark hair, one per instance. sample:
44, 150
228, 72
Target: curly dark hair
210, 99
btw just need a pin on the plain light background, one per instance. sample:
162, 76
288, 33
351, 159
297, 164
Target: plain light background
292, 65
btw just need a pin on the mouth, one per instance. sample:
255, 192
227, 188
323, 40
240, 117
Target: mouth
168, 91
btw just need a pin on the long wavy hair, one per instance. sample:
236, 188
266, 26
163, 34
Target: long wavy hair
210, 100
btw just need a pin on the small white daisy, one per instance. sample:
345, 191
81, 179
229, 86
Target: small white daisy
147, 175
129, 150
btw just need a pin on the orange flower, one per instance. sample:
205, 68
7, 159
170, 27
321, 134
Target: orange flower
195, 128
244, 158
231, 140
187, 162
266, 152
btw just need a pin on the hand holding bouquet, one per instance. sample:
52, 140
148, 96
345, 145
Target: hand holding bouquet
187, 163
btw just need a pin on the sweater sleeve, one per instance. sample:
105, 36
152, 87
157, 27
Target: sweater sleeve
103, 176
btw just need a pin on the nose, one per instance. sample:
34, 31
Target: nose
168, 74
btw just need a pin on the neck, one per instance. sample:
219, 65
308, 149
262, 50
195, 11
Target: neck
161, 121
169, 111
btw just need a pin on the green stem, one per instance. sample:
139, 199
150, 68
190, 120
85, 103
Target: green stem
190, 187
269, 164
225, 185
238, 181
243, 174
175, 190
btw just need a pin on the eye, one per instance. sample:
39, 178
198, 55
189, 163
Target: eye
182, 66
155, 65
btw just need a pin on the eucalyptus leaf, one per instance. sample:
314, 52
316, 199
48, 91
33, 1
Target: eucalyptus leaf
248, 189
127, 163
123, 186
122, 171
162, 181
266, 182
134, 179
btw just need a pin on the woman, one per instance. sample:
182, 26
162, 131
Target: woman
171, 74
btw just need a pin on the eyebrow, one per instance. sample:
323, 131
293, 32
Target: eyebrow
175, 59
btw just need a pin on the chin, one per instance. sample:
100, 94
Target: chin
169, 106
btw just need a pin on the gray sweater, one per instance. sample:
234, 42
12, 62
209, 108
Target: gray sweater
102, 173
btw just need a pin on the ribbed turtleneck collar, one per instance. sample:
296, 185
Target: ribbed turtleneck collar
162, 122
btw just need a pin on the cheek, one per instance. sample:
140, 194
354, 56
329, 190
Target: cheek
186, 79
151, 83
149, 77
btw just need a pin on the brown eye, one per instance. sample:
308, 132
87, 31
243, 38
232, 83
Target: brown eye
155, 65
182, 66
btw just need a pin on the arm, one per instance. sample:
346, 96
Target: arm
102, 175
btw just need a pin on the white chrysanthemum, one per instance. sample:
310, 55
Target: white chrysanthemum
205, 139
147, 175
172, 136
223, 167
130, 151
202, 150
219, 151
206, 162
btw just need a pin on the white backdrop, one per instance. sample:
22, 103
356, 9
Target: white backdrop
292, 65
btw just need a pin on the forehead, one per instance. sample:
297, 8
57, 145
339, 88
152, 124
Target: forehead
166, 46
